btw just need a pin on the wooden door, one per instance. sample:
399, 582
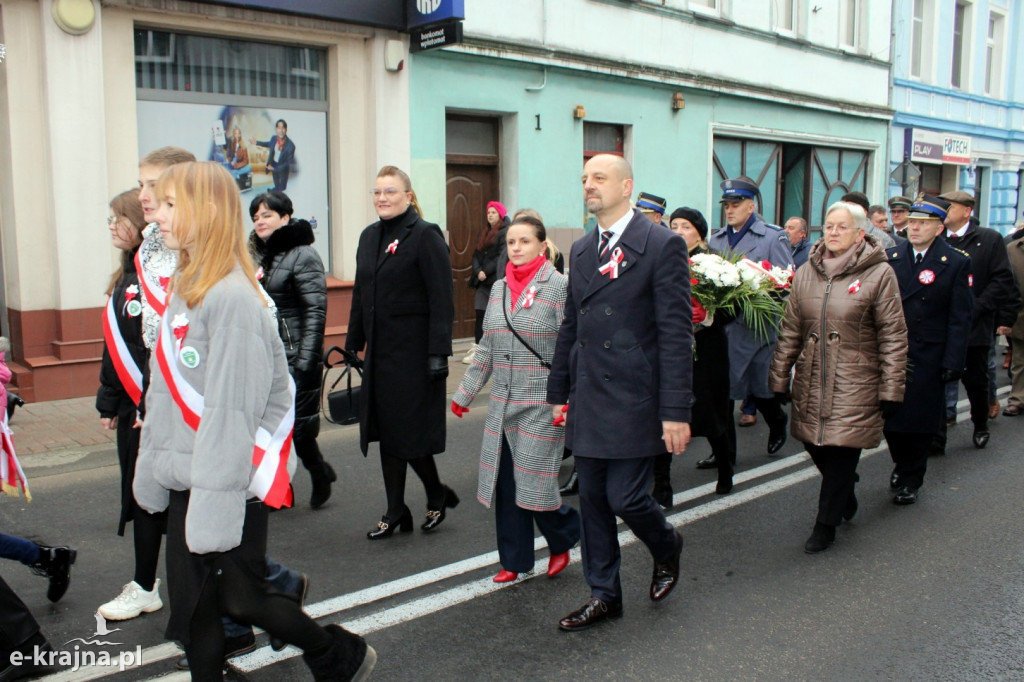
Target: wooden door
470, 187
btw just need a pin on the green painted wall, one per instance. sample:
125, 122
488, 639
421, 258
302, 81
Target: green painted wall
670, 150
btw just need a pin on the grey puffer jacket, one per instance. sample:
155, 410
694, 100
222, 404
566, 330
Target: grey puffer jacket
293, 276
846, 338
242, 376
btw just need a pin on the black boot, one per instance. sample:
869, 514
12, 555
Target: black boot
572, 486
55, 564
821, 538
348, 658
322, 480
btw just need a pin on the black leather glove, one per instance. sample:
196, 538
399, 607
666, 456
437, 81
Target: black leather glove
783, 398
437, 367
889, 408
949, 375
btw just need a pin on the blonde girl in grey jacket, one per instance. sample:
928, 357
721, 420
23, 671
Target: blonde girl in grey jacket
215, 447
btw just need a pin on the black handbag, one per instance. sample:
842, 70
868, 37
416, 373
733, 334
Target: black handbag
342, 404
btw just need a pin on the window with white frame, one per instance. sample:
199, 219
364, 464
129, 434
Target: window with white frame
960, 72
849, 23
921, 40
784, 17
704, 5
994, 54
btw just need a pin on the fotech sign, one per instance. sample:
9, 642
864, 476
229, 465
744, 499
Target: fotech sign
928, 146
434, 23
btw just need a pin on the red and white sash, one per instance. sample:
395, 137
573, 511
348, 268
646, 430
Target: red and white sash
127, 371
154, 289
12, 476
270, 481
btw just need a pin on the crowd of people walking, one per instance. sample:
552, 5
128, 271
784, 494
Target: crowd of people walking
211, 377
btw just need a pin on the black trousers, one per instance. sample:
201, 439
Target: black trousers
308, 452
16, 623
909, 453
610, 488
975, 381
838, 467
478, 328
394, 470
560, 527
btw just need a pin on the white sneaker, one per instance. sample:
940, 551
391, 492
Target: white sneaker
132, 602
468, 358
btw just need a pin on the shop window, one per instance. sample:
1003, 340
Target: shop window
224, 66
603, 138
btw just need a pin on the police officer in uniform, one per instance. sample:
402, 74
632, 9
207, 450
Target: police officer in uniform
747, 234
935, 286
652, 206
899, 209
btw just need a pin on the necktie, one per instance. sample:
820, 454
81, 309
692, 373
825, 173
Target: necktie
602, 249
918, 259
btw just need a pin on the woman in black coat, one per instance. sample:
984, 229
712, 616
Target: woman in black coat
119, 401
712, 408
292, 273
402, 313
490, 246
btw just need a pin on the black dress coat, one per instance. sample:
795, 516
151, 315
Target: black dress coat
402, 312
293, 276
487, 260
623, 356
712, 407
996, 298
938, 316
111, 398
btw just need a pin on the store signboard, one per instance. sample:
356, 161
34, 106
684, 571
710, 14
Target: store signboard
435, 36
209, 132
929, 146
428, 12
382, 13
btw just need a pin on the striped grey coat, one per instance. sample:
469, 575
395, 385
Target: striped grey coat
518, 405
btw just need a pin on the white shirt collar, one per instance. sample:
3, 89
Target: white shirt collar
959, 233
616, 228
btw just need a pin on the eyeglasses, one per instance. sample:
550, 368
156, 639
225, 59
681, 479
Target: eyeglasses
836, 228
389, 192
113, 220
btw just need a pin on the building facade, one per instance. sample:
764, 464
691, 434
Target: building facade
958, 92
793, 94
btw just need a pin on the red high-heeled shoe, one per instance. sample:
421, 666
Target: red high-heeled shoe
505, 576
557, 563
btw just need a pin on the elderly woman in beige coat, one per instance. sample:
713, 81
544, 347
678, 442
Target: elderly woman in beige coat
844, 339
522, 448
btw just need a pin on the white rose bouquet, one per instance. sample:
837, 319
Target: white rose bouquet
741, 287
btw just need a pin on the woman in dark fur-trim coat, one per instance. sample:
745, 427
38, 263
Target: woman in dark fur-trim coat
291, 272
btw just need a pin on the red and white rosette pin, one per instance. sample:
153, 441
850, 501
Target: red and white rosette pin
132, 305
855, 287
970, 281
528, 297
611, 268
259, 274
179, 325
926, 277
393, 246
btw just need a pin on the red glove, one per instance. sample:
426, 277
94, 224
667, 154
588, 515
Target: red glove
700, 313
459, 410
560, 421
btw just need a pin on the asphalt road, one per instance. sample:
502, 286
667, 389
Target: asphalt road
934, 591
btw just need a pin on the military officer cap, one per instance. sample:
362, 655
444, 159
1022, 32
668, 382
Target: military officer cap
927, 207
737, 189
650, 202
900, 202
959, 197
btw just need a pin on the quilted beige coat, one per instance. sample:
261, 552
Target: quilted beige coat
846, 339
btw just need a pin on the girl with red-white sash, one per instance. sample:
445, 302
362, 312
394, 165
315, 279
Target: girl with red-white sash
119, 402
216, 450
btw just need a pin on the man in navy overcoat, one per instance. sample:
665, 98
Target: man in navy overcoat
937, 303
623, 363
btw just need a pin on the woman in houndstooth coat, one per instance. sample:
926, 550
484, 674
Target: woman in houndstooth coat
522, 449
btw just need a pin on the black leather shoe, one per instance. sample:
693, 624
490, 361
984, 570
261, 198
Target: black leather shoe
436, 516
590, 614
233, 646
386, 527
662, 492
980, 438
277, 643
54, 564
572, 486
708, 463
777, 435
821, 538
322, 481
906, 495
894, 480
724, 485
851, 507
666, 574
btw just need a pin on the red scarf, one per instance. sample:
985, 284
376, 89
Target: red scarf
518, 276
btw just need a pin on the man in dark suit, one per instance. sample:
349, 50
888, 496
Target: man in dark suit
280, 156
935, 286
623, 364
995, 302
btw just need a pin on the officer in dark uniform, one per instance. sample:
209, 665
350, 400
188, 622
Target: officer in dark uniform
652, 206
899, 209
935, 285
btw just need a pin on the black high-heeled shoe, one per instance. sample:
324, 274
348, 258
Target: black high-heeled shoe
436, 516
386, 528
